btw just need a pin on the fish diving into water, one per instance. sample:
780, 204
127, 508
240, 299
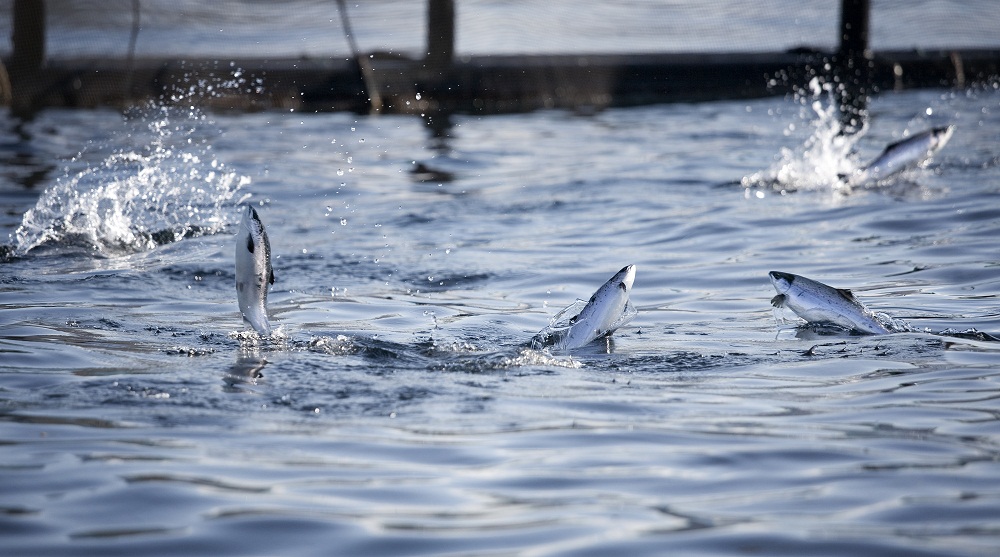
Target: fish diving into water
607, 310
907, 153
818, 303
253, 271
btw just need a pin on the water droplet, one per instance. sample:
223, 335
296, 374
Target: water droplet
340, 172
418, 96
343, 222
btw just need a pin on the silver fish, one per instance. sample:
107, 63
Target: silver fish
818, 303
253, 271
607, 310
907, 153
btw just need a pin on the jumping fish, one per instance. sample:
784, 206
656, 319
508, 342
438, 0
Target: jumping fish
607, 310
907, 153
253, 271
818, 303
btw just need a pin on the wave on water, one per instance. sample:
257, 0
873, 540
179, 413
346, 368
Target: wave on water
139, 197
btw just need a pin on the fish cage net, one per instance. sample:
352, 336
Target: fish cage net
518, 54
314, 28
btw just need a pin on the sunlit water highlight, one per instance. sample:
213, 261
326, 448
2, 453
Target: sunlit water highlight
399, 408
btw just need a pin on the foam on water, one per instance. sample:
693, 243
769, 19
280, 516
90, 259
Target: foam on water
822, 159
165, 189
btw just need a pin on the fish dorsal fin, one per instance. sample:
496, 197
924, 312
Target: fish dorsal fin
847, 295
778, 301
895, 144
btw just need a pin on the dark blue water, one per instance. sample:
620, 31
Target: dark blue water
399, 411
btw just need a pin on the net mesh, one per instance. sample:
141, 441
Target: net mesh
312, 28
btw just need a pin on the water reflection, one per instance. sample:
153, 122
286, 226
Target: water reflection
439, 124
247, 370
20, 162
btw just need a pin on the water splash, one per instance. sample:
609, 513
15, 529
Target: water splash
822, 160
139, 197
555, 334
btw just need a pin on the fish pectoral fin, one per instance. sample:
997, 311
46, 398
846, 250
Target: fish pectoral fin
250, 244
778, 301
270, 277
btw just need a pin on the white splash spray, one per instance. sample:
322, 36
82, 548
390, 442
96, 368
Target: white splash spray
138, 197
822, 159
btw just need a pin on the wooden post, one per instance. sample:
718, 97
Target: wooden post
28, 37
28, 53
854, 63
440, 35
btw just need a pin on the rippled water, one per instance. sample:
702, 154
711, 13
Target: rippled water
400, 411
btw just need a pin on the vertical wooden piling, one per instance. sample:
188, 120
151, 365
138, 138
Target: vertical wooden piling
854, 63
440, 36
28, 37
27, 52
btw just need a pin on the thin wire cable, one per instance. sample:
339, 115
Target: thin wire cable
367, 71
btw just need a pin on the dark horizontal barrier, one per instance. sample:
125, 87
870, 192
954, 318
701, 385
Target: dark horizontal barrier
479, 84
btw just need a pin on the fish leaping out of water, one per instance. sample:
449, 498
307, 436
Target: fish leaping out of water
911, 152
253, 271
818, 303
607, 310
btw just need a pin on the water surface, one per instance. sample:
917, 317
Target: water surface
400, 411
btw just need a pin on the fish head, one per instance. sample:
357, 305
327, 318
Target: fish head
253, 238
782, 281
251, 222
625, 278
942, 135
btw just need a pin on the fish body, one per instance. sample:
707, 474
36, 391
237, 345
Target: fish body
819, 303
253, 271
607, 310
906, 153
